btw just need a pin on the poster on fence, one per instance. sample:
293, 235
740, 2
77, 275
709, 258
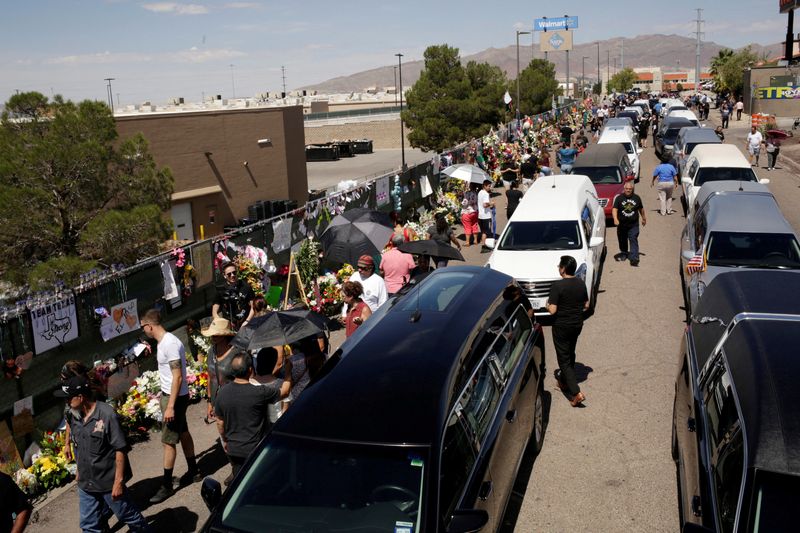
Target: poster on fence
54, 324
282, 235
382, 191
202, 261
10, 461
122, 319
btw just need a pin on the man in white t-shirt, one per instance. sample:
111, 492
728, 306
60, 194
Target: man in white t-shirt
485, 205
374, 286
171, 356
754, 140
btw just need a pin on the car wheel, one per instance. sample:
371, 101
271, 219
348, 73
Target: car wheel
539, 427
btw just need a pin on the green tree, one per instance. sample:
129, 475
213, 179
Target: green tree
718, 60
679, 86
731, 71
73, 195
537, 87
622, 81
450, 104
597, 88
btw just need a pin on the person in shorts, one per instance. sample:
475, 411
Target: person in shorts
754, 140
171, 357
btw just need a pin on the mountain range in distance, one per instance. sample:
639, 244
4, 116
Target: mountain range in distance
673, 53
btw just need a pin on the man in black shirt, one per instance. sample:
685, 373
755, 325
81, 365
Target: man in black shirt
242, 409
514, 195
234, 299
13, 502
627, 211
528, 169
567, 302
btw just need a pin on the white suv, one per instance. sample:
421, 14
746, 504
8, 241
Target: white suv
625, 136
559, 215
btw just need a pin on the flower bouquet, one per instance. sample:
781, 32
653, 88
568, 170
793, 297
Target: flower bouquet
51, 471
52, 442
27, 482
248, 271
197, 381
327, 298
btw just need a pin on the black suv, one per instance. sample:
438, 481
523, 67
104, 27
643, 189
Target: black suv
419, 423
736, 423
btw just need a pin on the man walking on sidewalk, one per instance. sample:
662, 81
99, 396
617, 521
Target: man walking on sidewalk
101, 455
754, 140
171, 357
627, 211
567, 302
665, 179
739, 109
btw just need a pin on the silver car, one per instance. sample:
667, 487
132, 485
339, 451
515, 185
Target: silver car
733, 228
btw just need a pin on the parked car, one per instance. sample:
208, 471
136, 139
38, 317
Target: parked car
684, 113
713, 162
668, 103
667, 132
632, 114
644, 105
628, 139
734, 425
559, 215
618, 122
408, 429
688, 138
734, 230
608, 166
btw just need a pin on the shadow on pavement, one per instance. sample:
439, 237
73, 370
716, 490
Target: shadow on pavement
174, 519
582, 372
509, 522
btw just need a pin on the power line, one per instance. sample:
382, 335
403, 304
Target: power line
699, 34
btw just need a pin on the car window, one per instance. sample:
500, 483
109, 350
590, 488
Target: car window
721, 413
517, 331
458, 457
728, 470
699, 229
600, 175
760, 250
541, 235
587, 221
708, 174
628, 147
774, 494
478, 402
693, 168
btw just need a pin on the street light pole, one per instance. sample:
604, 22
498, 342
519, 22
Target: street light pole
599, 81
608, 69
233, 85
583, 76
395, 85
518, 34
402, 132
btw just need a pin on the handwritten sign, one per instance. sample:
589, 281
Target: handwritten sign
122, 319
54, 324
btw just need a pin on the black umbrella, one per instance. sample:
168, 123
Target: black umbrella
279, 328
355, 233
431, 247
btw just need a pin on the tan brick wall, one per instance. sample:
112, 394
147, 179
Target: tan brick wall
384, 133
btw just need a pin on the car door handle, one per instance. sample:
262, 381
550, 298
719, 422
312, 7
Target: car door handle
511, 416
697, 509
691, 425
485, 490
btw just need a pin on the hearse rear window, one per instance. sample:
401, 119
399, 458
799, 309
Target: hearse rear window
438, 292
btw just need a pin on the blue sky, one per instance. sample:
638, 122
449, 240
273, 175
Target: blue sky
158, 50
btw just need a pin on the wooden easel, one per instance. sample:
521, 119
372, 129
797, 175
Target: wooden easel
294, 274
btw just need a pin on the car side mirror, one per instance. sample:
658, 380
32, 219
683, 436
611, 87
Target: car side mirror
468, 520
211, 492
594, 242
764, 181
686, 181
688, 254
489, 243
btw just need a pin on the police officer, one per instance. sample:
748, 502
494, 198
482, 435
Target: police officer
101, 454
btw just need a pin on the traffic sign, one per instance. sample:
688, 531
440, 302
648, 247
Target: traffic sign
557, 23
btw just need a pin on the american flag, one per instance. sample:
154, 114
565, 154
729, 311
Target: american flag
696, 264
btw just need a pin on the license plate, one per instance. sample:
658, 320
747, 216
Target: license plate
538, 303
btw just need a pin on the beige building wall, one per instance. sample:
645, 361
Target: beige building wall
384, 133
217, 162
753, 103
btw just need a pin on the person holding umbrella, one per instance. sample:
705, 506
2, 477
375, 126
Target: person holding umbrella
442, 233
358, 311
374, 288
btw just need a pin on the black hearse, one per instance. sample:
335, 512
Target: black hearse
420, 426
736, 424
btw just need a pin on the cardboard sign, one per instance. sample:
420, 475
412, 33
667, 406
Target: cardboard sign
122, 319
54, 324
203, 263
10, 460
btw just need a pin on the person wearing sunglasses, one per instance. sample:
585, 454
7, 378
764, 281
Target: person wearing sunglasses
234, 299
373, 285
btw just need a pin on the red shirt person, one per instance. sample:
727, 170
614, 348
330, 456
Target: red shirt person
396, 266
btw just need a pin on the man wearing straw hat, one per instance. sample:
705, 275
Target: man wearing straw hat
218, 359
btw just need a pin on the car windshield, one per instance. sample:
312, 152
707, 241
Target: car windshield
600, 175
704, 175
758, 250
299, 484
672, 134
544, 235
775, 495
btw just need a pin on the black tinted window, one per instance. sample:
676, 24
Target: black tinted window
774, 496
758, 250
723, 418
728, 481
600, 175
458, 456
547, 235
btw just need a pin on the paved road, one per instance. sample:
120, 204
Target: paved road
605, 467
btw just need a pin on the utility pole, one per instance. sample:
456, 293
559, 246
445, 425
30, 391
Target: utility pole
583, 76
608, 68
110, 94
566, 28
698, 34
622, 54
599, 81
518, 34
233, 85
283, 78
395, 85
402, 133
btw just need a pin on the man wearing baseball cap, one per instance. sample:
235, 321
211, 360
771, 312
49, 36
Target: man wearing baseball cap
374, 287
101, 455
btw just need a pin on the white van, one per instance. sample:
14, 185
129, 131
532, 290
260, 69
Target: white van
625, 136
713, 162
559, 215
684, 113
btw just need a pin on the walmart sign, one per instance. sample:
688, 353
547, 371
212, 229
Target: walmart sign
559, 23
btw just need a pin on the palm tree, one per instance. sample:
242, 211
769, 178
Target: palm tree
718, 60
